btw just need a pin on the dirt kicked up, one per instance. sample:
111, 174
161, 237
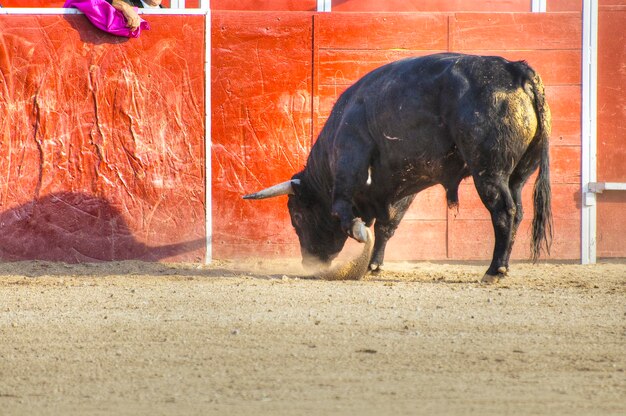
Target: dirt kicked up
256, 338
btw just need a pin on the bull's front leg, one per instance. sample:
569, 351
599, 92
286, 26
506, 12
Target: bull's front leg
382, 232
385, 228
351, 173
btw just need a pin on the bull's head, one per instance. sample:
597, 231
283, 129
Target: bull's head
320, 235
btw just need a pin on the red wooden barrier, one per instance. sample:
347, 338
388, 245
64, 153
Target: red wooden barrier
286, 5
611, 213
261, 99
265, 5
32, 3
101, 150
564, 5
60, 3
431, 6
117, 137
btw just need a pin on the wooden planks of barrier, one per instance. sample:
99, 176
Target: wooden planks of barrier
275, 79
101, 150
261, 98
611, 212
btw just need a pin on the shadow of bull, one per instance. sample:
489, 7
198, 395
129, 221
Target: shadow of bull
76, 228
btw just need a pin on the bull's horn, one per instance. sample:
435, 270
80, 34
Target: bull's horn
285, 188
359, 231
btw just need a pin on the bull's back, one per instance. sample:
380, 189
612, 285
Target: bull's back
422, 105
424, 116
440, 88
399, 105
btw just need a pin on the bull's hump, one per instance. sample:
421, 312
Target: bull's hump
414, 71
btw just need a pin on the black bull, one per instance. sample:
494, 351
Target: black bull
416, 123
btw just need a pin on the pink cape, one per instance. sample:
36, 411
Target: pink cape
106, 17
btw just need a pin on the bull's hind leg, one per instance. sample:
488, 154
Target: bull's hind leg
496, 196
515, 185
526, 166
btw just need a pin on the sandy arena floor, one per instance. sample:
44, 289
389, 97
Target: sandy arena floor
256, 338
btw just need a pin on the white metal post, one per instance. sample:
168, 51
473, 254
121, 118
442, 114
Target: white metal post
324, 5
538, 6
208, 203
589, 130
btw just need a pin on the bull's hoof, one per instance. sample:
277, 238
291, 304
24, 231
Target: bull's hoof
376, 268
491, 279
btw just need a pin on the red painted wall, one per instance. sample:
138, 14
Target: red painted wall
376, 5
60, 3
564, 5
431, 6
32, 3
101, 140
611, 211
111, 154
265, 5
261, 98
286, 5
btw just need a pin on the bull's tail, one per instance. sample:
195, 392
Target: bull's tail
542, 220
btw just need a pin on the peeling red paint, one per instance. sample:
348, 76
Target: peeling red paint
88, 120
